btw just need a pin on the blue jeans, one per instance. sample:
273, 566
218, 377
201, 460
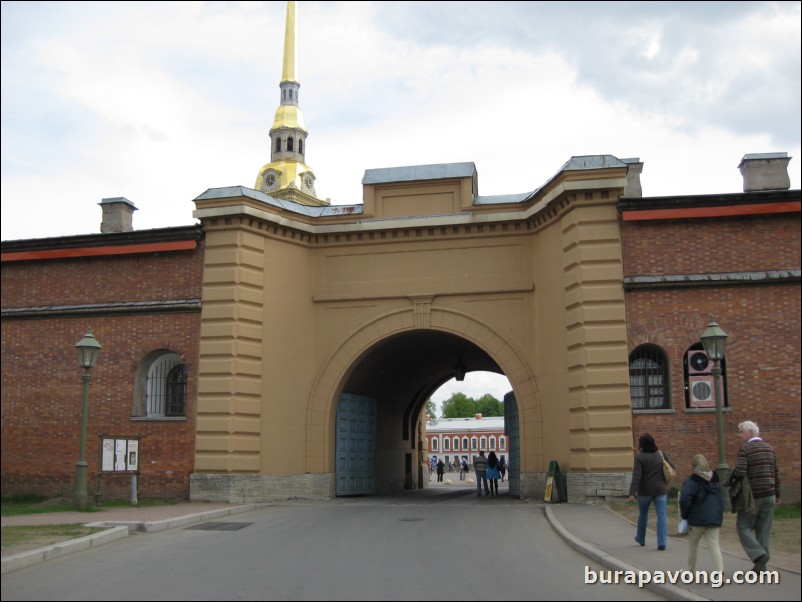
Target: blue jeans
481, 477
643, 518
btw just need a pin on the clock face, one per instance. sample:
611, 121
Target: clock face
308, 181
270, 179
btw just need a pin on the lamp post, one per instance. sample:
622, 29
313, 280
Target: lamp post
88, 351
714, 340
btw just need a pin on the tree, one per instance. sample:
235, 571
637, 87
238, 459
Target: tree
431, 410
487, 405
459, 405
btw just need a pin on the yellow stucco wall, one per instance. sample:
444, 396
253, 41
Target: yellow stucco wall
291, 306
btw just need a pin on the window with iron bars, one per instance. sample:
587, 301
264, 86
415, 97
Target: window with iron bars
167, 387
648, 375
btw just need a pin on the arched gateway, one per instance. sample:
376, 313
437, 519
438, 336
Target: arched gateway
304, 304
307, 306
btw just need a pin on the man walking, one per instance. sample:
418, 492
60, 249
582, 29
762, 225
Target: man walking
757, 461
480, 467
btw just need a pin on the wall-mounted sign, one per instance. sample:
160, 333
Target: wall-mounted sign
119, 454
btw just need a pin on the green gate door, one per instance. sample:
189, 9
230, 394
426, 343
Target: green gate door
356, 445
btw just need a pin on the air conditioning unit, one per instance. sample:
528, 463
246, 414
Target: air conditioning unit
701, 391
698, 362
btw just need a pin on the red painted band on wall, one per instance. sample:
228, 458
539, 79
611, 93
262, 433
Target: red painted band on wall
182, 245
696, 212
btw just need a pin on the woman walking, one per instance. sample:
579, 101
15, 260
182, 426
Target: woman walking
701, 504
649, 485
493, 473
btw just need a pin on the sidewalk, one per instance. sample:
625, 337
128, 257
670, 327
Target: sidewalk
605, 537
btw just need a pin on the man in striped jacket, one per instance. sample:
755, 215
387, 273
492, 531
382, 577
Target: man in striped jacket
757, 461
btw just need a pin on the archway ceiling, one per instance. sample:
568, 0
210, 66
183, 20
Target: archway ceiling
412, 364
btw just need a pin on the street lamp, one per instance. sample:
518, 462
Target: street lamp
88, 351
715, 340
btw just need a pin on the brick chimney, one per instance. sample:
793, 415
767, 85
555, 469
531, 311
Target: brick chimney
765, 171
478, 416
118, 215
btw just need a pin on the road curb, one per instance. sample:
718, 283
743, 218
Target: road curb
115, 530
668, 591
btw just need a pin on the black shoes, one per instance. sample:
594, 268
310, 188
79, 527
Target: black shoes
760, 563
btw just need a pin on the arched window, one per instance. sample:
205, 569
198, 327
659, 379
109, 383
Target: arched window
492, 443
502, 443
434, 444
482, 443
446, 444
301, 145
648, 378
278, 145
160, 388
700, 384
465, 444
456, 443
289, 144
473, 444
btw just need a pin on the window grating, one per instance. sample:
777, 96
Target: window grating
647, 379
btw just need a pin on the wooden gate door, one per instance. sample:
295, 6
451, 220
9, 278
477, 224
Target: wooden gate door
356, 445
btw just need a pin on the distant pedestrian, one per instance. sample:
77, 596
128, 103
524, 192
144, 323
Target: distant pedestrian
756, 461
493, 473
701, 504
440, 468
648, 483
463, 468
502, 467
480, 468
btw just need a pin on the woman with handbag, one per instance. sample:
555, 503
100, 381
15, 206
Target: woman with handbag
701, 504
650, 485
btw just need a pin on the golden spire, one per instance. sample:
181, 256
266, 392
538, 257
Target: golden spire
287, 176
290, 71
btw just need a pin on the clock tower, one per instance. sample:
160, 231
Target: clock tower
287, 176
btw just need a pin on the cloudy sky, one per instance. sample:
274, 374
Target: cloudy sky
159, 101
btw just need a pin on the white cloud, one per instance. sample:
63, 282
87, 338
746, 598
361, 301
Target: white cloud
475, 385
159, 101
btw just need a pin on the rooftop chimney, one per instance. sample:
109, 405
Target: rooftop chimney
118, 215
765, 171
478, 416
634, 169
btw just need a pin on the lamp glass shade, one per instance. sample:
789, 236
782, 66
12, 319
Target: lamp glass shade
715, 340
460, 370
88, 350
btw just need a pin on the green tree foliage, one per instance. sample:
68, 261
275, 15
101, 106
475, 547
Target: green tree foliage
431, 410
487, 405
460, 405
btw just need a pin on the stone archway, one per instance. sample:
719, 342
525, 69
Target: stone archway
325, 394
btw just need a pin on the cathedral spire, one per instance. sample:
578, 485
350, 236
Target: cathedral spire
290, 71
287, 176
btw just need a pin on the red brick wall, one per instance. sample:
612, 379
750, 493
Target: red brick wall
762, 321
41, 380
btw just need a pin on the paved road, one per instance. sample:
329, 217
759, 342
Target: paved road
449, 547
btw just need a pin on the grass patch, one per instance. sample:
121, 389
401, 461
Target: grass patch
43, 535
37, 504
784, 511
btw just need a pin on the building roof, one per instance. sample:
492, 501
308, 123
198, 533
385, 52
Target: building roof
453, 425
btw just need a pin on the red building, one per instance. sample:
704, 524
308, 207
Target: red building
452, 438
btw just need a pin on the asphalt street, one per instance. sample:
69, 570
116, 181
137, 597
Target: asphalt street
446, 547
